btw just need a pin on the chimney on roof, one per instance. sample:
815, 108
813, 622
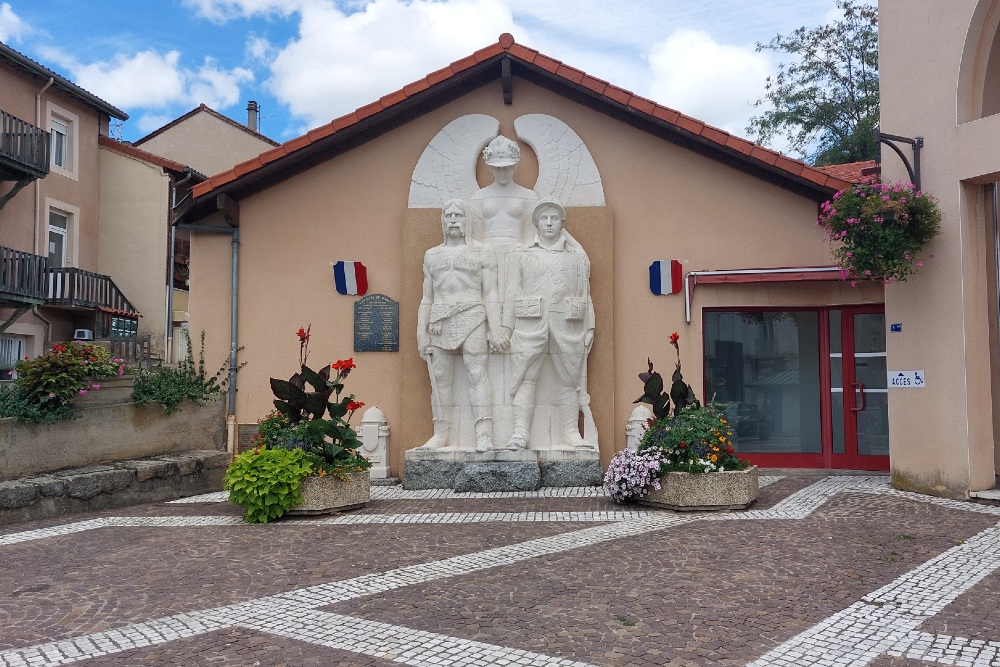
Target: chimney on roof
252, 110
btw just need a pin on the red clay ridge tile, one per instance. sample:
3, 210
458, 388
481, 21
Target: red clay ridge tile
223, 178
412, 89
523, 52
320, 132
764, 155
715, 134
295, 144
817, 177
689, 124
440, 75
346, 120
617, 94
464, 63
272, 155
571, 73
546, 63
663, 113
368, 110
642, 104
789, 165
594, 84
392, 98
741, 145
488, 52
506, 40
248, 166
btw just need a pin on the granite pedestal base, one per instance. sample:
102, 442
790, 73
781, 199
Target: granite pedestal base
500, 470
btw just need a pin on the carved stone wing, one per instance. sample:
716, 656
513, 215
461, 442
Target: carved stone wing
447, 167
566, 169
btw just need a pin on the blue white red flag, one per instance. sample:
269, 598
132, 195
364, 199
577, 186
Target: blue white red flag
350, 277
666, 276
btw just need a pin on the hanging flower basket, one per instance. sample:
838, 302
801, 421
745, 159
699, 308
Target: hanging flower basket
877, 229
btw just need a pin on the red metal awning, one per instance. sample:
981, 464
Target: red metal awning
792, 274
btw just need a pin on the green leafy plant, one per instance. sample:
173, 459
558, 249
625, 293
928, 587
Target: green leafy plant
876, 229
16, 404
189, 381
47, 384
312, 420
267, 482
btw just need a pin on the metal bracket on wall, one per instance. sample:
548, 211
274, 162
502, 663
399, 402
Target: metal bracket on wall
916, 143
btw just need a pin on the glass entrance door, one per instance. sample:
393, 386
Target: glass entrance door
859, 396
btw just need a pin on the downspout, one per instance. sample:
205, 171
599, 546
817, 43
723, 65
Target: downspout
170, 279
38, 181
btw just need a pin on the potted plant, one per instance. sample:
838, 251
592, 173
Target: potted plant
876, 230
65, 377
685, 459
305, 458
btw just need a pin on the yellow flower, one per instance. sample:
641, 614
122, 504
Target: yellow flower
713, 457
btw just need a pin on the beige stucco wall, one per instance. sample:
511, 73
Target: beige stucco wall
942, 438
663, 202
206, 143
135, 200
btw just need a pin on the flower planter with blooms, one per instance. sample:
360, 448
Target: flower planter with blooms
302, 460
685, 460
877, 229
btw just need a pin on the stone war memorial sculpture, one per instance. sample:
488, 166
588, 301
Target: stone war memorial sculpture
506, 321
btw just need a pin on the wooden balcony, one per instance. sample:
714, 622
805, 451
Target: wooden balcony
83, 290
24, 149
22, 277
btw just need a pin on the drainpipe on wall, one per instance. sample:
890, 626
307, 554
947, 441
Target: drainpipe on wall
38, 181
169, 345
48, 325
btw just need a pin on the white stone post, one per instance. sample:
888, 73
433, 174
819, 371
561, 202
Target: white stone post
638, 422
374, 435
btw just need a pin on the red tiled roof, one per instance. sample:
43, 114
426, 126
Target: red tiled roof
852, 171
203, 108
764, 157
125, 149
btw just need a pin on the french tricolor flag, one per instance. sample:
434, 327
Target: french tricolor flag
350, 277
666, 276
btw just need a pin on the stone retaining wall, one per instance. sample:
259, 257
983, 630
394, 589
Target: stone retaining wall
118, 484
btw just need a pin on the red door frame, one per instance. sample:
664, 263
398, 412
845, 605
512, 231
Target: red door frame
850, 460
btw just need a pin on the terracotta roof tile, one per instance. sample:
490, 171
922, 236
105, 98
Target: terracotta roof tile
642, 104
690, 124
125, 149
546, 63
411, 89
555, 67
617, 94
571, 73
851, 171
741, 145
523, 52
594, 84
248, 166
488, 52
764, 155
392, 98
715, 134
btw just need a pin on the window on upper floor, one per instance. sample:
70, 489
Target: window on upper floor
60, 228
64, 128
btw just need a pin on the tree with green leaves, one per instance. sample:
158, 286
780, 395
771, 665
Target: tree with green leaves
825, 100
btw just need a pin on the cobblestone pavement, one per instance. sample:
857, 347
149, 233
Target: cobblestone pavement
833, 572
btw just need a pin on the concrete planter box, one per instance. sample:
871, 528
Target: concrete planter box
113, 390
689, 492
325, 495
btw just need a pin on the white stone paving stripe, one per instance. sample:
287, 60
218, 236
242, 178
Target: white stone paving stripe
871, 627
947, 650
398, 643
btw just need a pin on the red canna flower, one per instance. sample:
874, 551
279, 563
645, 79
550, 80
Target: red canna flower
354, 405
674, 337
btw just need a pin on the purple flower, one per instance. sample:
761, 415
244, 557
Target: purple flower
83, 391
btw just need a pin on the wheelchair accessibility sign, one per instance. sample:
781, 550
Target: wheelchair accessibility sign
906, 379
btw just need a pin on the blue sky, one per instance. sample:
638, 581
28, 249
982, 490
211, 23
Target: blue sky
309, 61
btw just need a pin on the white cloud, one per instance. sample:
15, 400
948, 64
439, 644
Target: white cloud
220, 11
149, 122
713, 82
151, 80
12, 26
339, 62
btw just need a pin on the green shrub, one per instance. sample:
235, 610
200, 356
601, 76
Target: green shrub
171, 386
16, 404
267, 482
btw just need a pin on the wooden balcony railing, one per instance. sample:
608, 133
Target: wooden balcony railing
76, 288
22, 276
24, 149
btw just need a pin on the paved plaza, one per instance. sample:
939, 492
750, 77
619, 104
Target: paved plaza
832, 571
